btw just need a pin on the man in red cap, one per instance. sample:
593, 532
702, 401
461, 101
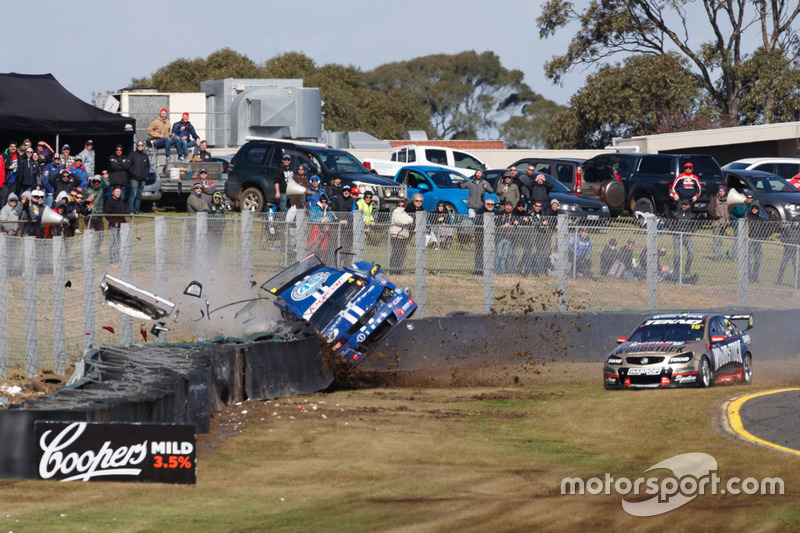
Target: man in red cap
186, 137
160, 134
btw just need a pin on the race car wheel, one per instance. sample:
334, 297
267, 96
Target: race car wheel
705, 373
747, 369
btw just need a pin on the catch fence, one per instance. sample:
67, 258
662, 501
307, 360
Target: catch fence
51, 308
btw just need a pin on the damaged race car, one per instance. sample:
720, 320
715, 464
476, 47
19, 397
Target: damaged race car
353, 309
682, 350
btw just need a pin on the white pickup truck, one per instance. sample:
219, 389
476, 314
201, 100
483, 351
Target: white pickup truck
413, 154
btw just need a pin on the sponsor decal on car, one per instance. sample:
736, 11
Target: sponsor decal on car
727, 353
309, 286
672, 321
689, 378
654, 371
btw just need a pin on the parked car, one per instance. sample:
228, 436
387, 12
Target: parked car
435, 184
647, 178
596, 180
574, 206
251, 172
420, 155
785, 167
779, 198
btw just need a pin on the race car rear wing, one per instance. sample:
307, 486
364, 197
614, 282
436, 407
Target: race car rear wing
748, 318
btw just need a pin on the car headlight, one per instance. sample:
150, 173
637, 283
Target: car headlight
604, 208
571, 207
614, 360
683, 358
792, 207
465, 201
401, 193
387, 192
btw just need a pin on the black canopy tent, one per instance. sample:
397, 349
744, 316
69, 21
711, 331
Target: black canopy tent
37, 107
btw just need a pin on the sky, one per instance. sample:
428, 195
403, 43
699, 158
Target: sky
93, 46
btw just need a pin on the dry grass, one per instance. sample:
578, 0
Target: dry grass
423, 455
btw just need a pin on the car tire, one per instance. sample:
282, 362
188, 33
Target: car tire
252, 199
705, 377
450, 208
773, 213
747, 369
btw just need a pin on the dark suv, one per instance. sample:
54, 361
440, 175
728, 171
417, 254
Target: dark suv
647, 178
591, 181
251, 172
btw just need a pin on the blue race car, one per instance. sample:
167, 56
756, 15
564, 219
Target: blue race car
353, 309
437, 184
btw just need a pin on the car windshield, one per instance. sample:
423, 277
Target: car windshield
445, 179
736, 166
771, 183
557, 185
293, 274
677, 330
338, 301
341, 162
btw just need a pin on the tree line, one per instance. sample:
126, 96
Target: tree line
658, 66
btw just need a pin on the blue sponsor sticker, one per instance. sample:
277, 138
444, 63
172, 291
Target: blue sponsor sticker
309, 286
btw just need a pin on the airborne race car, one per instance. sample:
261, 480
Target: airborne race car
681, 350
353, 308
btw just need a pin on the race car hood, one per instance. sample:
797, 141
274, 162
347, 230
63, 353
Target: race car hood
664, 347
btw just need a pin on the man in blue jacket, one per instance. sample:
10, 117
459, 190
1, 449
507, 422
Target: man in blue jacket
186, 137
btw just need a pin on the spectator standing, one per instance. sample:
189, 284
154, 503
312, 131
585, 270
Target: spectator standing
683, 224
209, 187
119, 169
523, 238
415, 205
95, 197
44, 153
366, 206
62, 182
488, 207
526, 179
343, 203
301, 179
720, 217
441, 223
400, 232
203, 155
334, 188
504, 229
29, 173
216, 226
321, 218
738, 212
579, 249
185, 135
508, 191
283, 174
66, 158
315, 192
540, 189
139, 170
160, 133
552, 209
477, 187
686, 186
10, 213
10, 164
114, 208
539, 251
50, 175
195, 203
758, 230
36, 210
790, 237
79, 172
88, 156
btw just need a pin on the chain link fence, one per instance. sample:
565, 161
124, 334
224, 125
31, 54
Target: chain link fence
51, 309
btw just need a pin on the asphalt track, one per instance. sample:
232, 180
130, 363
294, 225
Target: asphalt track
768, 418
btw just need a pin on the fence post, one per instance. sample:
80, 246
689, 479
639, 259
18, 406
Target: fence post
59, 307
247, 252
201, 246
796, 264
89, 288
31, 348
488, 262
359, 237
652, 261
562, 263
160, 229
301, 235
420, 265
4, 305
126, 261
744, 262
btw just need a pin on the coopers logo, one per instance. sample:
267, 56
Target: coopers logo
693, 474
83, 451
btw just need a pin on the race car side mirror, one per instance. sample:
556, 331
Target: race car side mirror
620, 340
717, 338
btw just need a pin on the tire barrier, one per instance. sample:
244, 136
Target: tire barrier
165, 383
